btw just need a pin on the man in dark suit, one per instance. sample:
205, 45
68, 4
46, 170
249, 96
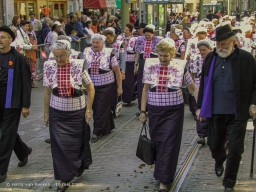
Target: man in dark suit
171, 21
209, 16
227, 97
15, 94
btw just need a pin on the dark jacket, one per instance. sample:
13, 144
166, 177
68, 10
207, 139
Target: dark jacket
21, 93
169, 25
244, 81
69, 27
45, 30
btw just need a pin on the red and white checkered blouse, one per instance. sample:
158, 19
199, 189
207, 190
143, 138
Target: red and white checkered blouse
147, 49
63, 80
165, 98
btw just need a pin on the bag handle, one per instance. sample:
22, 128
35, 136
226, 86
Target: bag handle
145, 126
118, 97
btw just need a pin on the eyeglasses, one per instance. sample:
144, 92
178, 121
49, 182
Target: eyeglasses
223, 44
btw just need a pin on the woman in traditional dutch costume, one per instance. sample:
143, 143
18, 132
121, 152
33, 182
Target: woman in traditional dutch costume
193, 54
102, 66
119, 47
144, 48
128, 82
66, 111
163, 79
177, 36
210, 30
196, 64
73, 55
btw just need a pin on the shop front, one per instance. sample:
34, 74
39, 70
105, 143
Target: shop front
156, 13
53, 7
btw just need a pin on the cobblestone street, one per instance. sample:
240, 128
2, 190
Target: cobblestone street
115, 166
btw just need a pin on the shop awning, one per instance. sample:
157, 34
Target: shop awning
95, 4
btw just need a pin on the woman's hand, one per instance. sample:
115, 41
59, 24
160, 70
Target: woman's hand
143, 118
46, 120
88, 115
136, 68
119, 91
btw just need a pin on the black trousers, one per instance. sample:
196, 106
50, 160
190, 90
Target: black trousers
10, 140
217, 132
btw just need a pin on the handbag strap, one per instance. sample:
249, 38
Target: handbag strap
145, 126
118, 97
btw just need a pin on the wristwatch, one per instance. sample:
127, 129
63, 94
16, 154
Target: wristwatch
122, 71
143, 112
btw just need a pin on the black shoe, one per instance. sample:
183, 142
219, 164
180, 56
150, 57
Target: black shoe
62, 187
227, 189
47, 141
168, 187
128, 104
201, 141
3, 177
80, 171
25, 161
94, 138
137, 114
219, 169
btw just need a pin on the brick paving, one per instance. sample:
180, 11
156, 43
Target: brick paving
201, 176
115, 166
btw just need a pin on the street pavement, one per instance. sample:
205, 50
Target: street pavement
115, 166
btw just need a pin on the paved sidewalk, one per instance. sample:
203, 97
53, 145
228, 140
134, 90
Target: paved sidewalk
115, 166
201, 176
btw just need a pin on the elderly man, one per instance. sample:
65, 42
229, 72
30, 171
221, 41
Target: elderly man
15, 93
227, 97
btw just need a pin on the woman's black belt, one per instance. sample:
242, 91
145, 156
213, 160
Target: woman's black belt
169, 89
101, 71
75, 93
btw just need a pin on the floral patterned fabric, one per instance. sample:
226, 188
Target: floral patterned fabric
103, 57
196, 63
174, 77
245, 43
130, 46
140, 43
76, 73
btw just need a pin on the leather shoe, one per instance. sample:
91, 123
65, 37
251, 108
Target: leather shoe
219, 169
25, 161
227, 189
201, 141
3, 177
47, 141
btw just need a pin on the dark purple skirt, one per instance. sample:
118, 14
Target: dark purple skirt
166, 125
102, 109
67, 142
128, 83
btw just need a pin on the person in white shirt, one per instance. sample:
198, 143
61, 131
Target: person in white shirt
88, 28
22, 39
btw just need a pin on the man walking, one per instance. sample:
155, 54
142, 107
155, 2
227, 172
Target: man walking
15, 93
227, 96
